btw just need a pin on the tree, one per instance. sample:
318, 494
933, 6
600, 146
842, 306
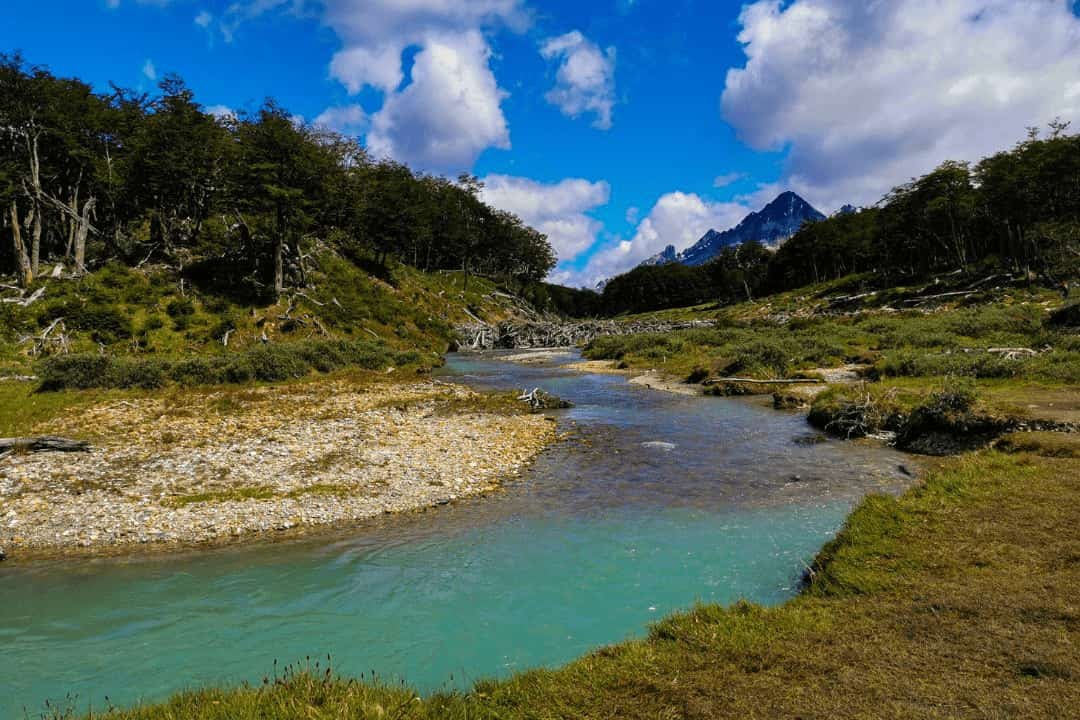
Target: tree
277, 181
176, 163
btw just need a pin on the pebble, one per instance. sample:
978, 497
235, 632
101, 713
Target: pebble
311, 454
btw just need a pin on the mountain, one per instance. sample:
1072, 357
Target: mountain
772, 225
668, 255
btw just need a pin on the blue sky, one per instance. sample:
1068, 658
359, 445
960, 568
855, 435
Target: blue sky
616, 126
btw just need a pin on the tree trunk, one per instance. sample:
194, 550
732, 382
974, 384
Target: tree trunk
72, 226
80, 236
35, 239
279, 265
26, 272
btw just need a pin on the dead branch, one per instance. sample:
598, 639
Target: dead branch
26, 301
925, 298
43, 443
1013, 353
311, 300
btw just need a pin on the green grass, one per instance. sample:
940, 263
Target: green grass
153, 327
953, 600
243, 493
954, 341
22, 408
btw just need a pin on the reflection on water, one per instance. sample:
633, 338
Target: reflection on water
654, 501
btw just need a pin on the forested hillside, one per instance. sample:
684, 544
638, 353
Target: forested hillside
1017, 212
236, 202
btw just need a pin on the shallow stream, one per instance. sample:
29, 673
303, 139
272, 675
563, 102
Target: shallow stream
654, 501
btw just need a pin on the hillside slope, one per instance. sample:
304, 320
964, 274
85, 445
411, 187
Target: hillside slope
156, 314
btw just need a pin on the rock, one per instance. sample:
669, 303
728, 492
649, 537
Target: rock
3, 555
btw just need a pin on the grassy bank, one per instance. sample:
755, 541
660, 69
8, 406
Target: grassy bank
148, 327
943, 373
794, 335
954, 600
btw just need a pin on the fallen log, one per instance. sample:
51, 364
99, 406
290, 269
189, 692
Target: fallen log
755, 381
924, 298
43, 443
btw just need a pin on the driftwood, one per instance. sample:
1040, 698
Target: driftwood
925, 298
552, 333
26, 301
43, 443
755, 381
1013, 353
541, 400
47, 340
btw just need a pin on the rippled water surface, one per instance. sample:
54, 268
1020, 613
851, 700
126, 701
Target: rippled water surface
653, 502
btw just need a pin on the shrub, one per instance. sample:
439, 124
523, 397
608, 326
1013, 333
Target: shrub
766, 355
269, 363
180, 307
277, 362
75, 371
153, 322
106, 323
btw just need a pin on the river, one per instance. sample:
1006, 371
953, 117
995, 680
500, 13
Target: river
652, 502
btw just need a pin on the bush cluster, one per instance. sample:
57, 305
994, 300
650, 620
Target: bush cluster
268, 363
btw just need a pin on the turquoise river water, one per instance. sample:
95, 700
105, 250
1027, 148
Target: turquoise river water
654, 502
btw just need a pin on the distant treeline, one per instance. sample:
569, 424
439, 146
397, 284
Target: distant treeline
1018, 210
239, 200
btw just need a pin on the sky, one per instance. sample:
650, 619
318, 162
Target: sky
616, 127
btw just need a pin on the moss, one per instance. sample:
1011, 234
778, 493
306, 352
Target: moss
244, 493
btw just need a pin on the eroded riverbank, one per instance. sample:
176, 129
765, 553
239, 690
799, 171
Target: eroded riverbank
221, 466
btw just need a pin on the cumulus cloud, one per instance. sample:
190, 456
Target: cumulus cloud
559, 210
677, 218
203, 19
585, 80
448, 114
866, 95
344, 119
449, 110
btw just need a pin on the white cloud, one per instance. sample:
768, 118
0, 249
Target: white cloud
448, 114
867, 95
345, 119
241, 11
722, 181
450, 109
221, 112
632, 214
585, 80
677, 218
379, 67
557, 209
149, 71
203, 19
